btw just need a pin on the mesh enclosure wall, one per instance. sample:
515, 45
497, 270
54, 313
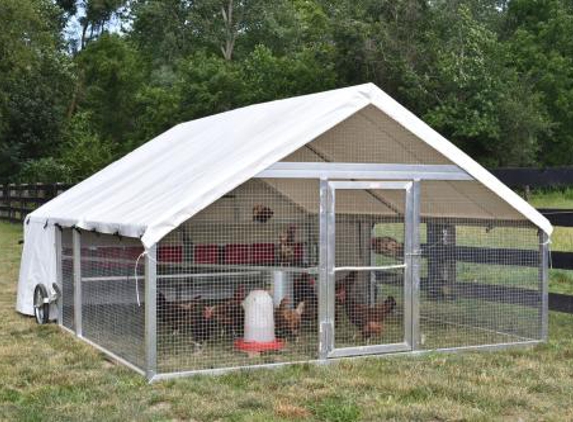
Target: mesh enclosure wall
381, 140
258, 245
112, 315
479, 278
67, 268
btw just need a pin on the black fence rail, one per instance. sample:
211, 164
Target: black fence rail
535, 178
16, 201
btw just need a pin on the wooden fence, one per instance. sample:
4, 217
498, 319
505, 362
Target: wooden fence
16, 201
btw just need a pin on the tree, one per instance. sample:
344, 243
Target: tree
111, 75
539, 36
35, 80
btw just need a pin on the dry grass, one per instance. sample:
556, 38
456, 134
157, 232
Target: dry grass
48, 375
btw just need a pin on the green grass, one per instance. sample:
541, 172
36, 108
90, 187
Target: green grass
559, 198
46, 374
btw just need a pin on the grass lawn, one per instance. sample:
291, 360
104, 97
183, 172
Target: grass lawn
48, 375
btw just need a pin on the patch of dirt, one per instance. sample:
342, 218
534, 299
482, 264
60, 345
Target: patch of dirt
291, 411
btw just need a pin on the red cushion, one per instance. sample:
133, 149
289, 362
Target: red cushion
237, 254
262, 253
170, 254
206, 254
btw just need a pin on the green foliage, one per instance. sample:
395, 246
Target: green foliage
81, 154
539, 36
111, 73
493, 76
35, 77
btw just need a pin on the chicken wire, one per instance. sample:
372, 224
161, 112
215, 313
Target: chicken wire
112, 295
254, 238
368, 311
480, 279
67, 278
381, 140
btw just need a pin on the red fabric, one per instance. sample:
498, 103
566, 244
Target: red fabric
263, 253
170, 254
206, 254
298, 252
237, 254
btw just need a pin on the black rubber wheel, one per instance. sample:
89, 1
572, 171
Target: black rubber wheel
41, 306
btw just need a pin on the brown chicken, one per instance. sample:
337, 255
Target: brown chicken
262, 213
368, 318
288, 321
387, 246
229, 315
188, 316
287, 245
304, 290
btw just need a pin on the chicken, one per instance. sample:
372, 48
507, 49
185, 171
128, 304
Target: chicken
262, 213
188, 316
304, 290
387, 246
229, 315
368, 318
288, 321
287, 245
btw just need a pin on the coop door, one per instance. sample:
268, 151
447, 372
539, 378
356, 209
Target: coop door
369, 242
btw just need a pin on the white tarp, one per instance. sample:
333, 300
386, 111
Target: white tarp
155, 188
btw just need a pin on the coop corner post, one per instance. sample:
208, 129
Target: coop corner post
150, 313
77, 245
543, 283
59, 276
325, 324
416, 254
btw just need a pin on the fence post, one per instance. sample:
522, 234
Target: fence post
441, 244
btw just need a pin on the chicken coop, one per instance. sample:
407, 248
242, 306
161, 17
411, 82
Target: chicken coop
314, 228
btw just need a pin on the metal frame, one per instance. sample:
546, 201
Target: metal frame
320, 170
77, 245
409, 220
543, 284
150, 313
326, 322
59, 277
415, 255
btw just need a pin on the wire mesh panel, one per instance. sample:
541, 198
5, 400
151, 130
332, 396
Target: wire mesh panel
369, 136
369, 265
113, 285
67, 267
237, 283
480, 282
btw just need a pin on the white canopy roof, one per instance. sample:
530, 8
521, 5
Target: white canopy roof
155, 188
